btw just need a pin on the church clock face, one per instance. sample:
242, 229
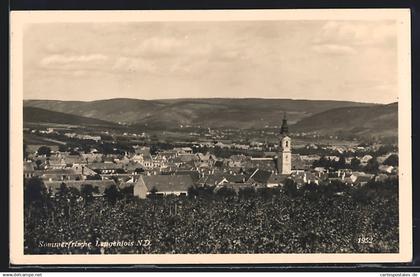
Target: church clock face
286, 144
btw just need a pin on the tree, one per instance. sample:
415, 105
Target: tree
192, 192
112, 194
322, 162
153, 149
290, 188
63, 191
205, 192
62, 148
246, 192
87, 192
38, 164
153, 192
127, 191
226, 192
139, 170
265, 193
35, 191
25, 151
341, 162
355, 163
44, 150
372, 166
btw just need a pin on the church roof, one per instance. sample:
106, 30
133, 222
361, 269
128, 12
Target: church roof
284, 128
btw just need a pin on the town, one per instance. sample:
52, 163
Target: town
143, 167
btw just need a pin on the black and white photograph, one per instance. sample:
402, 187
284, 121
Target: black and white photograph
217, 133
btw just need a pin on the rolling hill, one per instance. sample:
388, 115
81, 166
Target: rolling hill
38, 115
324, 117
214, 112
379, 120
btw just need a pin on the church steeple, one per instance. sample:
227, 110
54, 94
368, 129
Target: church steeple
284, 158
284, 128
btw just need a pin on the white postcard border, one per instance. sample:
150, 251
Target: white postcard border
20, 18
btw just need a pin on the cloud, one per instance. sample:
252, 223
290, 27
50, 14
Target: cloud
357, 33
67, 59
351, 37
157, 47
334, 49
129, 64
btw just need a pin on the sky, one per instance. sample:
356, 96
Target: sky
328, 60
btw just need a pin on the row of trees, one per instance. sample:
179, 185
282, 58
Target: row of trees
36, 192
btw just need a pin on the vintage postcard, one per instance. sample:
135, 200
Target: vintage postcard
201, 137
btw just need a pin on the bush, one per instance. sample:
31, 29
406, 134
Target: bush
35, 191
112, 194
87, 192
44, 150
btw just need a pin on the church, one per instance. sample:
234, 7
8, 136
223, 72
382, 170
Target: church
284, 157
283, 162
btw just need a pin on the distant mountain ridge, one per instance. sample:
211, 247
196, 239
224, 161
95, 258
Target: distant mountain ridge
324, 117
38, 115
380, 120
214, 112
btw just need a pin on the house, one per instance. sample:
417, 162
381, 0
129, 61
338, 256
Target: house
138, 158
184, 158
381, 178
267, 164
60, 175
83, 170
183, 150
259, 176
147, 162
105, 168
194, 174
74, 159
162, 185
310, 158
168, 154
365, 159
386, 169
333, 158
206, 158
306, 178
361, 178
236, 186
28, 170
91, 157
142, 151
218, 179
276, 180
56, 162
122, 160
298, 165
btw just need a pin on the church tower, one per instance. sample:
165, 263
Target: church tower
284, 158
